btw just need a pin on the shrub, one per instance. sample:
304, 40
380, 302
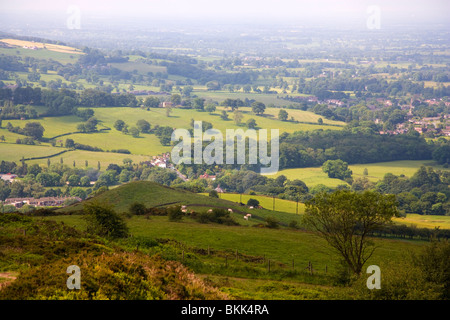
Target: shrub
175, 213
104, 221
137, 208
252, 202
213, 194
271, 222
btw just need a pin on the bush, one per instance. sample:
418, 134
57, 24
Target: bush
213, 194
271, 222
175, 213
104, 221
217, 215
252, 202
138, 209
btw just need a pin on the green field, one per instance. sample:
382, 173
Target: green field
148, 144
310, 176
425, 221
282, 245
266, 202
420, 221
15, 152
80, 157
376, 171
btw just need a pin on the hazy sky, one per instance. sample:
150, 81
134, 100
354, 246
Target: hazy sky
320, 11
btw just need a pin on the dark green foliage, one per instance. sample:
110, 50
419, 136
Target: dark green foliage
272, 222
337, 169
312, 149
137, 208
214, 194
434, 261
252, 202
215, 215
174, 213
104, 221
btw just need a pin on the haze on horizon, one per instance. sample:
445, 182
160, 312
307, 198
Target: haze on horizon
321, 12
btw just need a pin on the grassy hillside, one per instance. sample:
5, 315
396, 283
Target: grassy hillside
155, 195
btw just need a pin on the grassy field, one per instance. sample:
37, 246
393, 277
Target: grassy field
80, 157
420, 221
15, 152
282, 245
311, 176
376, 171
424, 221
266, 202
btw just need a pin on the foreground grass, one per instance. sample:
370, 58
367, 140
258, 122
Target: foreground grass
285, 246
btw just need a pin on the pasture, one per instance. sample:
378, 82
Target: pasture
266, 202
314, 176
279, 245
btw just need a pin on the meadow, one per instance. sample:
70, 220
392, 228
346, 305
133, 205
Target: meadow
149, 144
279, 245
314, 176
266, 202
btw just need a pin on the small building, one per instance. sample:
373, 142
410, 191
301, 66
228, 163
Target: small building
8, 177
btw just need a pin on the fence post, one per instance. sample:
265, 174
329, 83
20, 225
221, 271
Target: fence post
268, 261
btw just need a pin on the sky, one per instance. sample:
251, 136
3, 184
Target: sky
260, 11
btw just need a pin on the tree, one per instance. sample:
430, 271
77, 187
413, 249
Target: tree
258, 107
70, 143
74, 180
175, 99
168, 111
134, 132
137, 208
252, 202
283, 115
199, 104
151, 102
251, 123
210, 107
224, 115
345, 219
337, 169
237, 117
103, 221
143, 126
34, 130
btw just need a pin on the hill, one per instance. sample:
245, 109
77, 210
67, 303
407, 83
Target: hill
152, 194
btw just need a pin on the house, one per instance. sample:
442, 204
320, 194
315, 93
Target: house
207, 176
8, 177
219, 189
167, 104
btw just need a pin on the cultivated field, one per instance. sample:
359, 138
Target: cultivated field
40, 45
